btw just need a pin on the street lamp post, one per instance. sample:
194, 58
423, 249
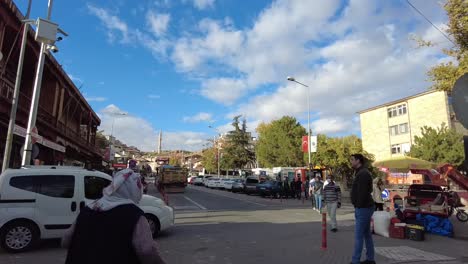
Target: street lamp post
309, 132
216, 143
44, 30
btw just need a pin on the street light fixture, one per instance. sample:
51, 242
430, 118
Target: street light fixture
215, 143
292, 79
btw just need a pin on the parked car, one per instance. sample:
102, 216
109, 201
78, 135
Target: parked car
213, 183
191, 179
228, 184
250, 185
270, 188
237, 185
41, 202
206, 179
198, 180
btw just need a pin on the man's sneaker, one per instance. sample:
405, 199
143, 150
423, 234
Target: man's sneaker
368, 262
334, 230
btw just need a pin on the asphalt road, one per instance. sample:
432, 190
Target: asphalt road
214, 226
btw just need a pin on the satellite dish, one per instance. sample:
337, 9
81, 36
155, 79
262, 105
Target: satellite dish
460, 99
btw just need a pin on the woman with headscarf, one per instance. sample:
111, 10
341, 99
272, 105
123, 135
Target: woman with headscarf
113, 229
377, 194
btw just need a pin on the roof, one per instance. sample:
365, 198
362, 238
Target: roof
401, 100
16, 12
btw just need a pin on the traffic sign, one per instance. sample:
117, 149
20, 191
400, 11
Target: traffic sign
385, 194
460, 99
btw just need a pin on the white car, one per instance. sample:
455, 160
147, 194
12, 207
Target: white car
213, 183
228, 184
198, 180
41, 202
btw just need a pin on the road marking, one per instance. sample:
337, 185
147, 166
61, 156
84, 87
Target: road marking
235, 198
195, 203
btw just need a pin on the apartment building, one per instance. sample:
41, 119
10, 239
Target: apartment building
388, 130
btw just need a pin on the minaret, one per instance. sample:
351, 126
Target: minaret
160, 141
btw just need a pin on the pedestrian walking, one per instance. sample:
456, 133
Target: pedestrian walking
332, 199
311, 192
113, 229
318, 188
298, 187
306, 188
377, 194
361, 198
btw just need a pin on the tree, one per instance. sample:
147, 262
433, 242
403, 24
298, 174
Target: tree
445, 74
101, 141
209, 160
279, 143
237, 149
334, 154
441, 145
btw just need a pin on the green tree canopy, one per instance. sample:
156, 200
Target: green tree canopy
237, 149
334, 154
441, 145
209, 160
445, 74
279, 143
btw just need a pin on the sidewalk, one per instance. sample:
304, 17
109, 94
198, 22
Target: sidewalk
434, 249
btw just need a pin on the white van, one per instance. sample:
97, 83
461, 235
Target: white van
41, 202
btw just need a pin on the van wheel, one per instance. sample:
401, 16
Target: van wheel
154, 224
19, 236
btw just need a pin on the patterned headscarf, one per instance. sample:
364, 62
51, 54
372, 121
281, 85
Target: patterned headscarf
125, 188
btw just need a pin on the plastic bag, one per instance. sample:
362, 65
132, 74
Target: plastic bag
382, 223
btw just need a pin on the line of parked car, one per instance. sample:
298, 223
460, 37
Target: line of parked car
248, 185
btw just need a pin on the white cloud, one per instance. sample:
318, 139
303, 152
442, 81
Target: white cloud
223, 90
203, 4
111, 23
96, 99
200, 117
154, 96
158, 23
138, 132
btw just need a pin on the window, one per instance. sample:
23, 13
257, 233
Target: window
403, 128
397, 110
399, 129
94, 186
24, 183
60, 186
396, 149
401, 109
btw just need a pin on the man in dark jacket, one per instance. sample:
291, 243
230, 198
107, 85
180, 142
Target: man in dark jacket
361, 197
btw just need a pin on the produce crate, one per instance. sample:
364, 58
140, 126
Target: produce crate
397, 232
415, 232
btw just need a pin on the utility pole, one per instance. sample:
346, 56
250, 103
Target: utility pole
36, 94
14, 101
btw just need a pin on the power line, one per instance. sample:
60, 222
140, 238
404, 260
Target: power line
427, 19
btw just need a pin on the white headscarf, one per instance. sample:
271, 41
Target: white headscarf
125, 188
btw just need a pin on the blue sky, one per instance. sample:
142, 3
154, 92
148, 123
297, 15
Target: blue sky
182, 65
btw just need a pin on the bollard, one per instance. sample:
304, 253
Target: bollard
324, 231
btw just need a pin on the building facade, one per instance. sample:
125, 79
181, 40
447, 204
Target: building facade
66, 124
388, 130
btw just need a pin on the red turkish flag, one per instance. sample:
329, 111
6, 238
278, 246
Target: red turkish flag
305, 144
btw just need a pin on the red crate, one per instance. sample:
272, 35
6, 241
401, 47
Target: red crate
397, 232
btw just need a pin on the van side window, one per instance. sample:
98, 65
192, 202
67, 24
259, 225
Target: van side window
60, 186
94, 186
24, 183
